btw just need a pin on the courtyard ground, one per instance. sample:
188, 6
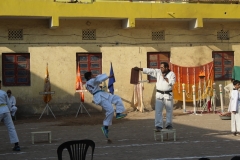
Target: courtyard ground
201, 135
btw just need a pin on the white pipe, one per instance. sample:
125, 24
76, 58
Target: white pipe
194, 99
221, 97
184, 98
214, 97
200, 93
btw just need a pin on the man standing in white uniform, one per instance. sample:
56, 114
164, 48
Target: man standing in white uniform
5, 116
164, 95
234, 108
228, 88
104, 99
12, 101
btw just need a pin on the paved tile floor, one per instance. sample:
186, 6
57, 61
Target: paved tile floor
198, 136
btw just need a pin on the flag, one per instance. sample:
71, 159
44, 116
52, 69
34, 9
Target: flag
79, 85
111, 80
47, 87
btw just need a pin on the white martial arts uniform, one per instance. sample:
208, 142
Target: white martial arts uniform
12, 102
234, 105
228, 88
162, 99
5, 109
104, 99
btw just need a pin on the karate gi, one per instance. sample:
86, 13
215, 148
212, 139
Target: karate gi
162, 99
5, 109
104, 99
234, 105
12, 102
228, 88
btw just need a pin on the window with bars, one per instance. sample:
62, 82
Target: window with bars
89, 34
89, 62
223, 64
158, 36
223, 35
154, 60
16, 69
15, 34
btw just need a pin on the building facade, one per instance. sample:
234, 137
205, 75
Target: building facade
35, 33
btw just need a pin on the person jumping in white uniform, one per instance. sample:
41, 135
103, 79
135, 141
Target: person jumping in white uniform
5, 117
104, 99
12, 101
164, 95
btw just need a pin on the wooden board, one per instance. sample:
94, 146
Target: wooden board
134, 76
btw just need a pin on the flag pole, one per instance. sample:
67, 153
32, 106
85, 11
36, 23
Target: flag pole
111, 80
79, 88
142, 105
80, 93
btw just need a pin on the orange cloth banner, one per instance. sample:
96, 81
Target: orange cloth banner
79, 85
47, 87
201, 76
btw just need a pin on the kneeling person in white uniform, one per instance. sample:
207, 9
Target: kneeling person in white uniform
104, 99
5, 117
12, 101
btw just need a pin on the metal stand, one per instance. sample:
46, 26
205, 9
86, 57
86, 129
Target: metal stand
81, 106
204, 106
47, 107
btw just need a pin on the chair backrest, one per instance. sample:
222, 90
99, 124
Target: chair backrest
77, 149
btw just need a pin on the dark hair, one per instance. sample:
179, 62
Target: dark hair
9, 91
87, 75
236, 82
165, 64
232, 79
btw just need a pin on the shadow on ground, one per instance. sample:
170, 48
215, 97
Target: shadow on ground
201, 135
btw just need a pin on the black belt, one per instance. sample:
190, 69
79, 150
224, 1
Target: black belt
97, 92
164, 92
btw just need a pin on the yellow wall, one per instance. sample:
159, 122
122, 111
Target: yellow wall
119, 10
125, 48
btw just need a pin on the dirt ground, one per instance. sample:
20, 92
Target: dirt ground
198, 135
